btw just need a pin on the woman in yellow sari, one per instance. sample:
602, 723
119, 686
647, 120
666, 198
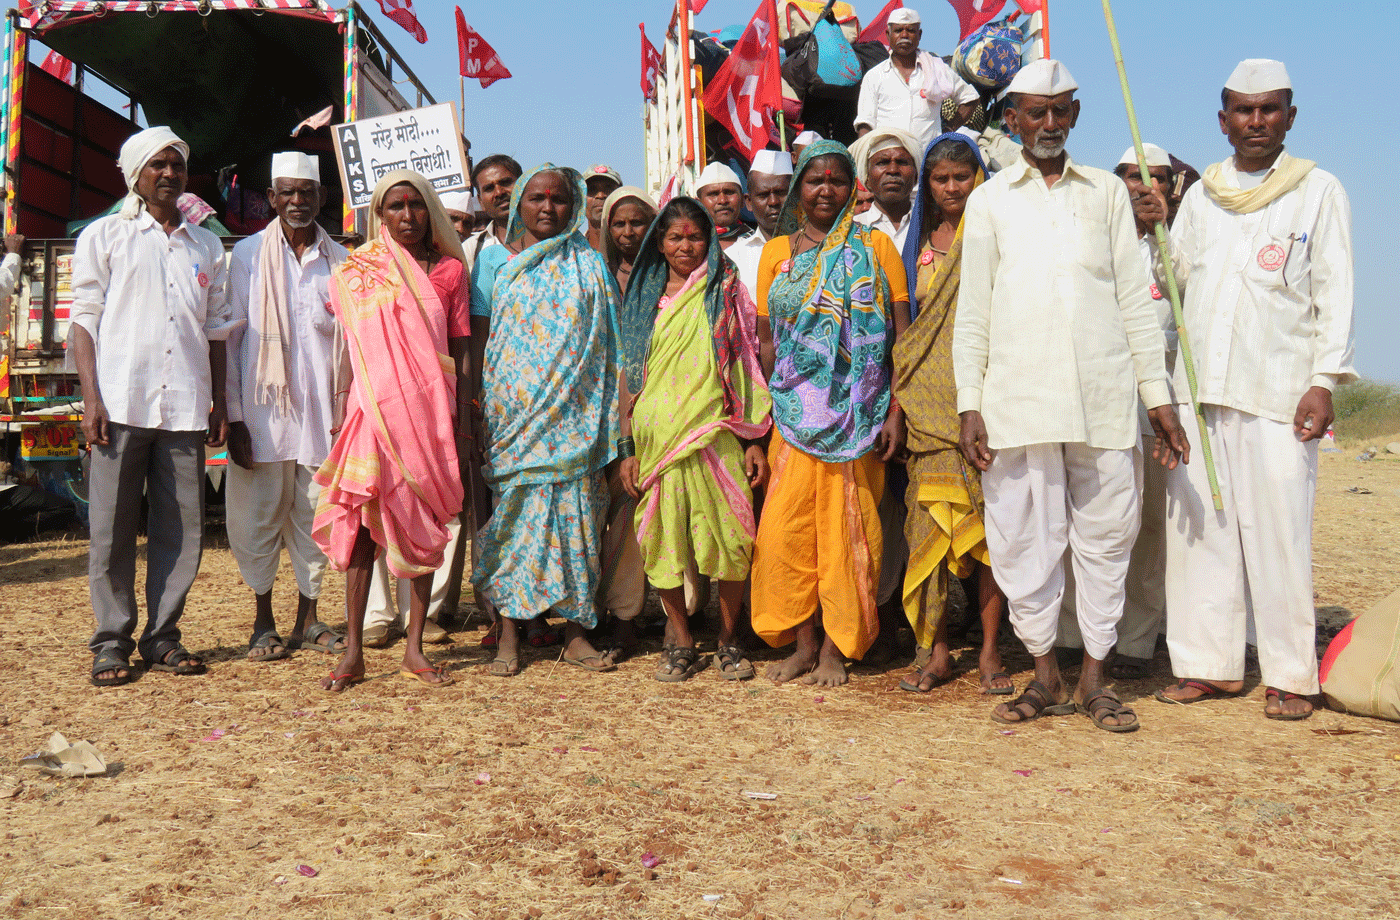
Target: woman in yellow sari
944, 526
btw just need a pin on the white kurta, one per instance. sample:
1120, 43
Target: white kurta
744, 254
1056, 334
1269, 314
886, 101
152, 303
881, 221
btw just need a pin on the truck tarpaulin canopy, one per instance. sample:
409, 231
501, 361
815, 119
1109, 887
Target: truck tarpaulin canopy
230, 85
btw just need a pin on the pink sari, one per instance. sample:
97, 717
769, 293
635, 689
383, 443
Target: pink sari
393, 469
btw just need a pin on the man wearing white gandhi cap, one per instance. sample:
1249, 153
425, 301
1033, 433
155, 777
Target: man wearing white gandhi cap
1054, 341
1262, 251
907, 90
149, 318
281, 392
770, 174
721, 191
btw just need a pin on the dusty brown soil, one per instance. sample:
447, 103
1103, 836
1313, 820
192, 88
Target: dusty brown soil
539, 796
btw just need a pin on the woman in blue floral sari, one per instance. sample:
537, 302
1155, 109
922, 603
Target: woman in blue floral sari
549, 414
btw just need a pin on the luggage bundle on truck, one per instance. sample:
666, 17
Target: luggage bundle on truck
234, 78
681, 137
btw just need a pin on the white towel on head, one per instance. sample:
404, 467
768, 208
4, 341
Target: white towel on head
136, 153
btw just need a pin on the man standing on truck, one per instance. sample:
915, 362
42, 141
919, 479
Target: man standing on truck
1262, 250
281, 389
149, 320
907, 90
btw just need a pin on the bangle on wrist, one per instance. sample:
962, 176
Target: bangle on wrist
626, 447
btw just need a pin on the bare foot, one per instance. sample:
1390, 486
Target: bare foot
795, 665
830, 670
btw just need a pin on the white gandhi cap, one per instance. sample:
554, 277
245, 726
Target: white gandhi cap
1156, 156
806, 138
461, 202
1043, 78
772, 163
717, 174
293, 164
904, 16
1258, 75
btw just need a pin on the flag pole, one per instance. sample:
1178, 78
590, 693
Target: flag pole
462, 84
1172, 292
782, 131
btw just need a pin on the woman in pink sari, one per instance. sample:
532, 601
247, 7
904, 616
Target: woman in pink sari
392, 481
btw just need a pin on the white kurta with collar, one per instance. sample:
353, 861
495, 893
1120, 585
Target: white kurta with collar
1268, 309
887, 101
744, 254
152, 303
874, 217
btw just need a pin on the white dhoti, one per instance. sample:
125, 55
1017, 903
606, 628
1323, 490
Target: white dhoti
267, 507
1145, 607
389, 596
1044, 499
1252, 559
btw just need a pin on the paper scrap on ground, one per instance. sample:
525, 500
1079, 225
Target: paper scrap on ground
766, 796
64, 759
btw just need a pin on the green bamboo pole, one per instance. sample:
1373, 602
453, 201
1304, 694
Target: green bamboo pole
1183, 345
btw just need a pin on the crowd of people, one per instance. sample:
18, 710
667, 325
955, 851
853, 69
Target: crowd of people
831, 411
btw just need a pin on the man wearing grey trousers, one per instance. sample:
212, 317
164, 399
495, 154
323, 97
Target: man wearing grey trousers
148, 323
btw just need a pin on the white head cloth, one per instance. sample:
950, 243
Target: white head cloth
136, 153
293, 164
772, 163
872, 142
805, 138
717, 174
904, 16
1258, 75
460, 202
1156, 156
1043, 78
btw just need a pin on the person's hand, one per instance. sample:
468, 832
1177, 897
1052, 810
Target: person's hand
1150, 207
889, 443
972, 440
756, 466
95, 423
240, 445
218, 425
1171, 446
1314, 415
630, 472
14, 242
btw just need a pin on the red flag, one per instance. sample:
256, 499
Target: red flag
651, 65
974, 14
1030, 7
59, 66
401, 11
878, 30
697, 5
479, 60
747, 89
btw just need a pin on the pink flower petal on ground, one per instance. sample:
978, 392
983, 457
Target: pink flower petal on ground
1023, 772
650, 860
307, 871
482, 778
589, 748
561, 750
819, 699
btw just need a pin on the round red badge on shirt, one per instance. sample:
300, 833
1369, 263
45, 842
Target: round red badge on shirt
1156, 291
923, 94
1271, 257
785, 266
926, 258
203, 280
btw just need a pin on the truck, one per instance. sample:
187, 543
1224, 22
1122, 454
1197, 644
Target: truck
237, 79
680, 137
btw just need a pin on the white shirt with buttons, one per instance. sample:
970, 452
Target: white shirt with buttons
152, 303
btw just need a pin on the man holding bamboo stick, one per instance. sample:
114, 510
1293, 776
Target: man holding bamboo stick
1052, 280
1262, 249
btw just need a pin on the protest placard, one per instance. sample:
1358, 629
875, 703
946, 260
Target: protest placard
427, 141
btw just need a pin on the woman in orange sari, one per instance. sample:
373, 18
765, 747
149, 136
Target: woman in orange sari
392, 481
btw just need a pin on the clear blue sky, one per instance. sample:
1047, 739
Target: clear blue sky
574, 96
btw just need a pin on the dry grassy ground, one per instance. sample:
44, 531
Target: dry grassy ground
539, 796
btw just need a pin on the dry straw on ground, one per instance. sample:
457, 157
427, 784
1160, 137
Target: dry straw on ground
539, 796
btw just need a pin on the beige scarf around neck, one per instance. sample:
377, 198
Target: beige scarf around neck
1288, 171
271, 368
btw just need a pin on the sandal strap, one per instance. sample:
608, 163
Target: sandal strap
109, 660
1105, 703
682, 657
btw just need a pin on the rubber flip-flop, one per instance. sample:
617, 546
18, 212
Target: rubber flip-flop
1272, 693
504, 667
1208, 692
420, 675
342, 682
914, 683
989, 690
606, 664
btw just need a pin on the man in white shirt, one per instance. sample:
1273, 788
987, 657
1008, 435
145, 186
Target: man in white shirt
769, 179
281, 387
720, 190
1144, 611
907, 90
1054, 340
149, 318
1262, 250
887, 163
